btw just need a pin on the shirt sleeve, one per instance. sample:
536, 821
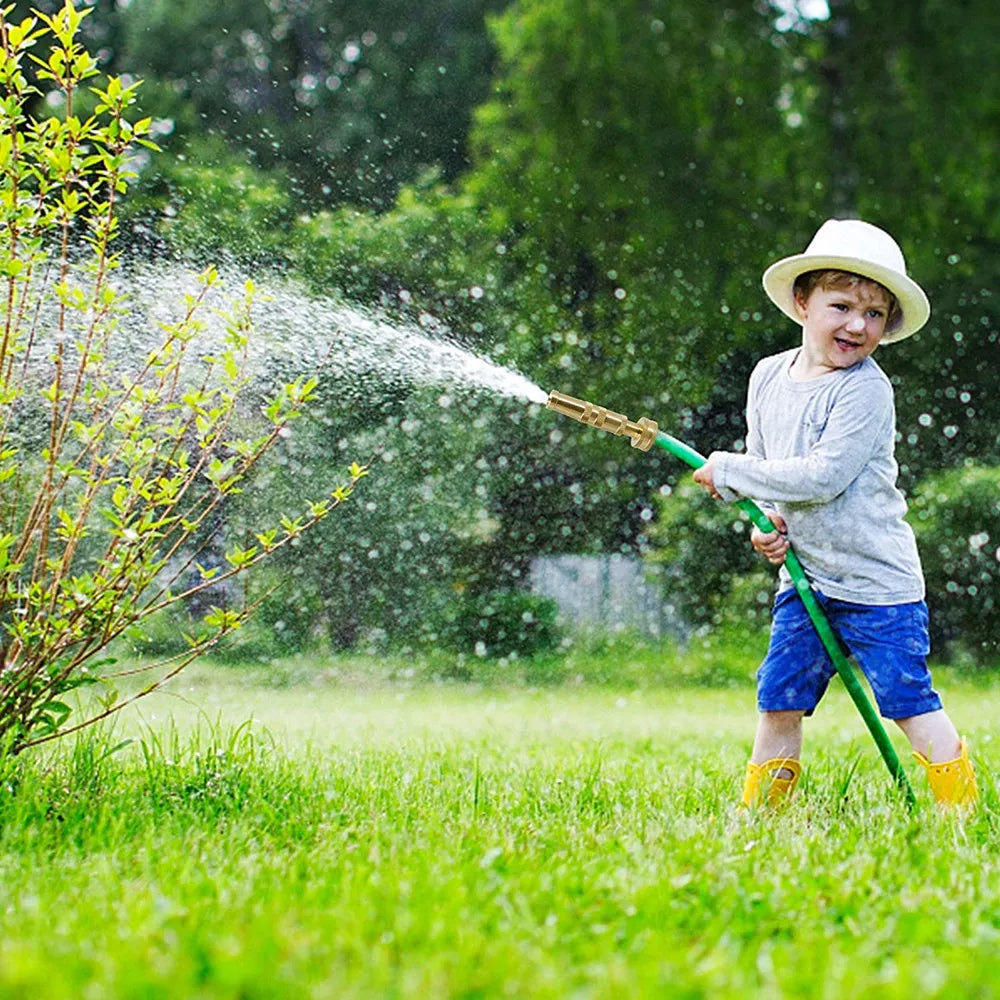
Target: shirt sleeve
856, 424
755, 440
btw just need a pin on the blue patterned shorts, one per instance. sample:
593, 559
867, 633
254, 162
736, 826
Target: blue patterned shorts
890, 643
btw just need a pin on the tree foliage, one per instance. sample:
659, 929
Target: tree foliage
639, 172
353, 99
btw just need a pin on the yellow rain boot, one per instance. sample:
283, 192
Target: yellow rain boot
764, 783
953, 782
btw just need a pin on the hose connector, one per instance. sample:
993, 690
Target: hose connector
642, 431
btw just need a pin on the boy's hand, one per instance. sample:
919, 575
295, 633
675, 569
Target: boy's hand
705, 476
772, 545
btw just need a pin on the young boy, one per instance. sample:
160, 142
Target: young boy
819, 458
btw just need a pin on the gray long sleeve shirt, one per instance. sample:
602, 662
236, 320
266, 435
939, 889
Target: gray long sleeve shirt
820, 452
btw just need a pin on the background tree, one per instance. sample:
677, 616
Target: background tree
637, 175
352, 99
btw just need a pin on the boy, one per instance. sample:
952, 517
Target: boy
819, 458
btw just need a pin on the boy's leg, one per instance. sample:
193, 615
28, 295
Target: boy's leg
891, 643
774, 769
932, 735
779, 735
945, 757
790, 683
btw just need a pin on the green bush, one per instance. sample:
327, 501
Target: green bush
255, 642
426, 245
504, 623
284, 623
162, 634
956, 517
211, 203
711, 575
281, 627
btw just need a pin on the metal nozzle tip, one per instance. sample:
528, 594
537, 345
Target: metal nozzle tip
567, 405
556, 398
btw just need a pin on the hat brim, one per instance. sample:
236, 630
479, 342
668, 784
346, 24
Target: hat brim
915, 309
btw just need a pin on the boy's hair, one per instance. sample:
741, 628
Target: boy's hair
826, 278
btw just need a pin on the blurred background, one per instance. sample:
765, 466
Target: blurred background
588, 193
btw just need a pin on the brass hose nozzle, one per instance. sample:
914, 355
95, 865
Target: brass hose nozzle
641, 431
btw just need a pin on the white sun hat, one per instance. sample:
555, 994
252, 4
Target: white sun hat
860, 248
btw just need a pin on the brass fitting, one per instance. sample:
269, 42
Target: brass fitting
641, 431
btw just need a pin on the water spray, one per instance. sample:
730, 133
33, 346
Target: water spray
644, 433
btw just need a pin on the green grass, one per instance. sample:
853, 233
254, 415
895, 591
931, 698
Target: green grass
451, 841
725, 657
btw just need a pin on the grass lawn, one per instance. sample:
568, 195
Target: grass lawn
449, 841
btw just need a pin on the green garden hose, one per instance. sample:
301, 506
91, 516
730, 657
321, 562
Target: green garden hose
644, 434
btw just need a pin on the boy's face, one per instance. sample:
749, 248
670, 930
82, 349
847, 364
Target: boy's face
841, 326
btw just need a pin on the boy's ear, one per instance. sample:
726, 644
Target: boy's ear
800, 304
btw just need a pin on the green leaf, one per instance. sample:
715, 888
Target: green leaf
206, 574
239, 558
222, 619
267, 538
57, 712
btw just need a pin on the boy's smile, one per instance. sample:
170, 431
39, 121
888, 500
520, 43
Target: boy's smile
840, 327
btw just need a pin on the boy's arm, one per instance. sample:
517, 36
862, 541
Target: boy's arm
858, 421
772, 545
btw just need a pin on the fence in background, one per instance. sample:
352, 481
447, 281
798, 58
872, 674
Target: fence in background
607, 592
